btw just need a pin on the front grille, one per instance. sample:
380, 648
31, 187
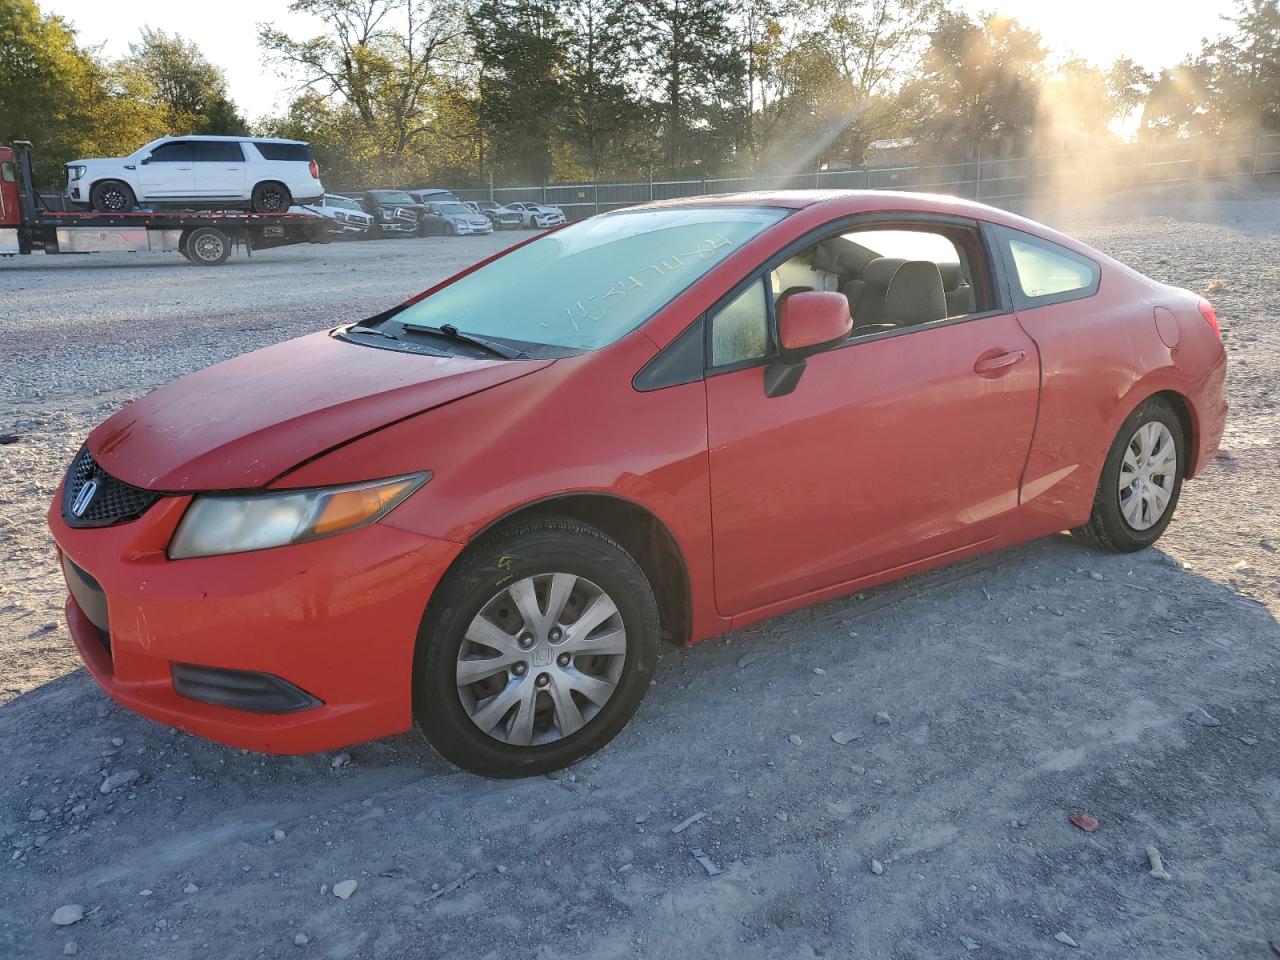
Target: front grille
110, 501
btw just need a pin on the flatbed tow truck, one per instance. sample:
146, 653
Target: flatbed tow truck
204, 237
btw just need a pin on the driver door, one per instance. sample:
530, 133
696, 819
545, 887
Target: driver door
895, 446
169, 172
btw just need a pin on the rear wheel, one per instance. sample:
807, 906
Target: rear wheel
112, 196
207, 247
271, 197
1141, 481
535, 651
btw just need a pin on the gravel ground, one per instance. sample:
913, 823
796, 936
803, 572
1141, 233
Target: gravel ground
1019, 688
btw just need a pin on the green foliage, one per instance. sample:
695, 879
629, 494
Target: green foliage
419, 92
695, 74
1232, 87
520, 48
190, 90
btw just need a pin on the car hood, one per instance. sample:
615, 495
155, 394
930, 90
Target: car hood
242, 423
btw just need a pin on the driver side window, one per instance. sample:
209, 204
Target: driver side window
180, 151
740, 329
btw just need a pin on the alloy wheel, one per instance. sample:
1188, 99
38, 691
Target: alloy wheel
113, 199
541, 659
272, 200
1147, 475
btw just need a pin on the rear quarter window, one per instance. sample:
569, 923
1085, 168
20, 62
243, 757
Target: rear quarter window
284, 151
1042, 272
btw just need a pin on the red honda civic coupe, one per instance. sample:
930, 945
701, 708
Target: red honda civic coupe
483, 509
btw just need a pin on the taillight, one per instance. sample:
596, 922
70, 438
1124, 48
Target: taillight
315, 170
1211, 318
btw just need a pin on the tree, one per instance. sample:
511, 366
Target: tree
520, 48
386, 60
979, 86
191, 90
62, 99
1074, 109
1128, 86
604, 120
694, 71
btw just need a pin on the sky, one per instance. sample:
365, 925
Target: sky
1156, 33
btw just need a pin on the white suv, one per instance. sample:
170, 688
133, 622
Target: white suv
264, 174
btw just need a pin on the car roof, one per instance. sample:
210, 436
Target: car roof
201, 136
837, 203
854, 201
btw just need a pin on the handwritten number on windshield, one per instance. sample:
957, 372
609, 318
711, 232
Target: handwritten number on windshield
596, 308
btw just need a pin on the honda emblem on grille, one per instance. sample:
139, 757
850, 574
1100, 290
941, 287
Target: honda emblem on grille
84, 497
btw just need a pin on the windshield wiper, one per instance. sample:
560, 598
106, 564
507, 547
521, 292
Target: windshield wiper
450, 332
370, 331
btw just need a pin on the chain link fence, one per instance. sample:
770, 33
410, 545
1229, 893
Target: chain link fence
990, 181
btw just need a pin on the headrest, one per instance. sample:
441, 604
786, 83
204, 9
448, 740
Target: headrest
915, 294
951, 276
880, 271
836, 255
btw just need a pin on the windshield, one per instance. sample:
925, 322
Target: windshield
591, 283
342, 202
391, 196
452, 208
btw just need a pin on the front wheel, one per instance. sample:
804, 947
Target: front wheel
1141, 481
112, 196
536, 649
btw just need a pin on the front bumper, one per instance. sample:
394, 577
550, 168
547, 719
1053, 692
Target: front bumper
337, 619
467, 229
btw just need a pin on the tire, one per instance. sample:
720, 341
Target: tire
207, 247
271, 197
1120, 524
585, 565
112, 196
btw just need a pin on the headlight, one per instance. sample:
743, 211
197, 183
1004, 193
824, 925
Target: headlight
75, 171
215, 524
385, 214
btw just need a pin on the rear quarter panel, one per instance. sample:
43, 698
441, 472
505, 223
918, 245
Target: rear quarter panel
1100, 358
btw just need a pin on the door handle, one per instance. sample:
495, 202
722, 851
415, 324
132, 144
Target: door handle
998, 365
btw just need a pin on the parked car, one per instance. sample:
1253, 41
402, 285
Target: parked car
537, 216
484, 508
431, 195
455, 219
345, 215
501, 217
265, 174
396, 213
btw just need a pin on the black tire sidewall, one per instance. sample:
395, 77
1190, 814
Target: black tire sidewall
130, 199
255, 198
189, 247
539, 548
1107, 506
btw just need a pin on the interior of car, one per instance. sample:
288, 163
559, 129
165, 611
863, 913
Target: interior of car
894, 277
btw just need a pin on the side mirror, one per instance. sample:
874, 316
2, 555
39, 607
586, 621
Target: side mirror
145, 160
808, 323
